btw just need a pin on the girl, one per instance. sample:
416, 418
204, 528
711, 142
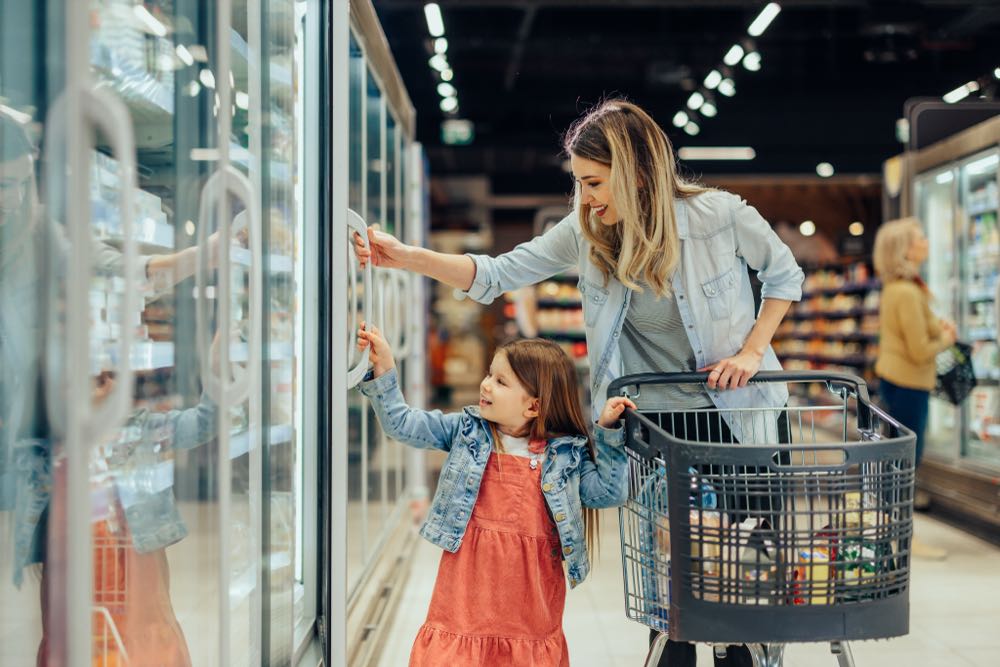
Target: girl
517, 496
663, 275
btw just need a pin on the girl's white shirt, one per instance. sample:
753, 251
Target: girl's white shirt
515, 446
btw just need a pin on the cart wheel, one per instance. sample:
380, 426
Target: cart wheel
767, 655
843, 652
656, 650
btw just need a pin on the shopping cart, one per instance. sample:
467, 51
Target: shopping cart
799, 532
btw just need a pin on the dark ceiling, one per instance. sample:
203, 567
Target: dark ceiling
834, 76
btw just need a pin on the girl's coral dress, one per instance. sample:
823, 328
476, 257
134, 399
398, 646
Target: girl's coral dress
499, 599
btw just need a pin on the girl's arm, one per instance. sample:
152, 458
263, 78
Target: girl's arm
604, 482
481, 277
418, 428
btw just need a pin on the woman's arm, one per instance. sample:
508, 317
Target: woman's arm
737, 370
480, 277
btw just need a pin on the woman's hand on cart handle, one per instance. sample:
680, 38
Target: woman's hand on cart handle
380, 355
383, 249
735, 371
613, 410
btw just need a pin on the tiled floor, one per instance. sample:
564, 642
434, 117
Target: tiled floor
954, 622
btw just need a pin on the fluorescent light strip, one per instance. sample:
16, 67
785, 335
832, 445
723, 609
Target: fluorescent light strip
763, 19
734, 55
717, 153
961, 92
435, 23
982, 165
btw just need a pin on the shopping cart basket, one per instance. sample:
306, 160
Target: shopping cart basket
800, 532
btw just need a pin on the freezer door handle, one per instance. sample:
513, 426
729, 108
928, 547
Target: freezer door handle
228, 180
356, 223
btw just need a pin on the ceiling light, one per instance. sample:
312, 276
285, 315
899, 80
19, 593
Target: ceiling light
996, 73
733, 55
447, 90
696, 100
856, 228
18, 116
716, 153
961, 92
449, 104
727, 87
447, 75
242, 100
205, 76
944, 177
184, 54
824, 169
193, 88
680, 119
438, 62
807, 228
713, 79
752, 61
763, 19
440, 45
189, 228
435, 24
708, 110
692, 128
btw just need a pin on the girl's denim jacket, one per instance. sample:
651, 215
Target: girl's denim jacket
720, 235
571, 480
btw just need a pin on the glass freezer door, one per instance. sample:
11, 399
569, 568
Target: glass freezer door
981, 237
935, 196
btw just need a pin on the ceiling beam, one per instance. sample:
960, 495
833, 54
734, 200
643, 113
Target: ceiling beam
513, 68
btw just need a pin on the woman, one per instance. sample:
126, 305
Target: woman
910, 335
663, 274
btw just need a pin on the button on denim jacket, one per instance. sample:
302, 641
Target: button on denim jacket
571, 479
720, 235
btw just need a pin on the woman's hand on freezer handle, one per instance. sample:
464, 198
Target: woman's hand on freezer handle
383, 249
735, 371
380, 355
613, 410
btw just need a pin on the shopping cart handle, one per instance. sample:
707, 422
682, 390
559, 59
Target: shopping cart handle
859, 386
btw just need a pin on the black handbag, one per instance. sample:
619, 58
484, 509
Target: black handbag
955, 375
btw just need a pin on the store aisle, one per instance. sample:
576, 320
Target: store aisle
954, 619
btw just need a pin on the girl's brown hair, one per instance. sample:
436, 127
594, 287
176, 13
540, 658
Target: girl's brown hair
547, 373
644, 246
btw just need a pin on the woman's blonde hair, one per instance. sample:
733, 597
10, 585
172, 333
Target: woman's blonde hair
643, 247
547, 373
892, 243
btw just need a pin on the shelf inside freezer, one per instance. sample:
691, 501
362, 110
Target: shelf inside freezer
276, 263
983, 333
281, 77
976, 426
275, 352
239, 443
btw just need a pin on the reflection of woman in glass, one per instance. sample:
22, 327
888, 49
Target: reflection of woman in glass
141, 510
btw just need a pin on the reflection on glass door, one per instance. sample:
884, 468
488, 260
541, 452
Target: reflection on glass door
935, 196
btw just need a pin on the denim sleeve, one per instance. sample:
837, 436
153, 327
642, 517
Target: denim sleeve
424, 429
604, 483
184, 429
553, 252
757, 242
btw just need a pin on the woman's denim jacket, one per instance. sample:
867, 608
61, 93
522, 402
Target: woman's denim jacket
571, 480
720, 235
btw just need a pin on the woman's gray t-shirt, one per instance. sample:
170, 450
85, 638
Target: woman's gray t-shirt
653, 341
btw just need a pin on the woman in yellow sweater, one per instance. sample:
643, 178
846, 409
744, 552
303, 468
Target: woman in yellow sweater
910, 335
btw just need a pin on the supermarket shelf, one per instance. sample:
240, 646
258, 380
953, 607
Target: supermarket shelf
833, 314
849, 288
275, 352
555, 303
571, 278
239, 443
563, 335
856, 361
798, 335
150, 235
276, 263
976, 425
982, 333
281, 77
980, 210
150, 355
978, 296
987, 381
978, 251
